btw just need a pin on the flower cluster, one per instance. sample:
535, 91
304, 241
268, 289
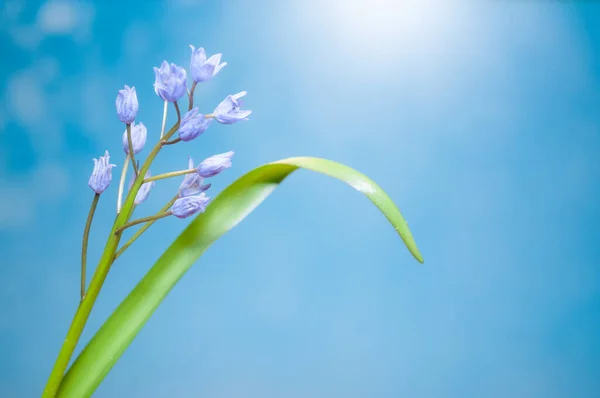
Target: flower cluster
171, 84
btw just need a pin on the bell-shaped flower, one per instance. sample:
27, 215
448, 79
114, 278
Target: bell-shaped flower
102, 174
192, 182
203, 69
170, 82
190, 205
127, 105
144, 190
215, 164
192, 125
138, 138
229, 112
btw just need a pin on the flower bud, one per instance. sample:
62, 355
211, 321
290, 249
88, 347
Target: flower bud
190, 205
138, 138
127, 105
144, 190
170, 82
102, 174
229, 112
203, 69
192, 183
192, 125
215, 164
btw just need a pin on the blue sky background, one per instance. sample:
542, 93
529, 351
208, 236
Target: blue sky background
480, 119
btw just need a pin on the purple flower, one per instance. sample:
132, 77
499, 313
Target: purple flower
102, 174
203, 69
170, 81
215, 164
192, 183
138, 138
192, 125
229, 112
190, 205
144, 189
127, 105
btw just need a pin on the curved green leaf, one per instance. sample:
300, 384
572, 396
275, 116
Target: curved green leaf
229, 208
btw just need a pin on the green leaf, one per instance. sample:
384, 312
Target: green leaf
229, 208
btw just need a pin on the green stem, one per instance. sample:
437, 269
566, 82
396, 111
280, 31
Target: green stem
84, 245
122, 183
169, 175
85, 307
191, 96
175, 141
130, 144
177, 110
144, 228
142, 220
164, 120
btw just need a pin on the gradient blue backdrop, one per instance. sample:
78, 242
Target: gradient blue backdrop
480, 119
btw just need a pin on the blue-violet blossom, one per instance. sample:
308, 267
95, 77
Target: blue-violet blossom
229, 112
203, 69
144, 189
190, 205
192, 125
215, 164
170, 81
127, 105
192, 183
102, 174
138, 138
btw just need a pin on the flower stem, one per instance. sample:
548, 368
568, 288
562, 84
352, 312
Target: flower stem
177, 110
85, 307
122, 183
169, 175
84, 245
164, 121
142, 220
209, 115
144, 228
130, 144
191, 96
175, 141
175, 126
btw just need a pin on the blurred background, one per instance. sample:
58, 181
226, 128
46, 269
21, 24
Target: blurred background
480, 119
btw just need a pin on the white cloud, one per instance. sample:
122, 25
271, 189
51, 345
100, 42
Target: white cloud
20, 197
95, 112
12, 10
57, 17
32, 108
54, 18
137, 40
51, 180
16, 206
60, 17
25, 36
26, 98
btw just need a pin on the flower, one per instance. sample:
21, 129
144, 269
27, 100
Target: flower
229, 112
192, 125
170, 81
190, 205
144, 189
127, 105
102, 174
203, 69
215, 164
138, 138
192, 183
